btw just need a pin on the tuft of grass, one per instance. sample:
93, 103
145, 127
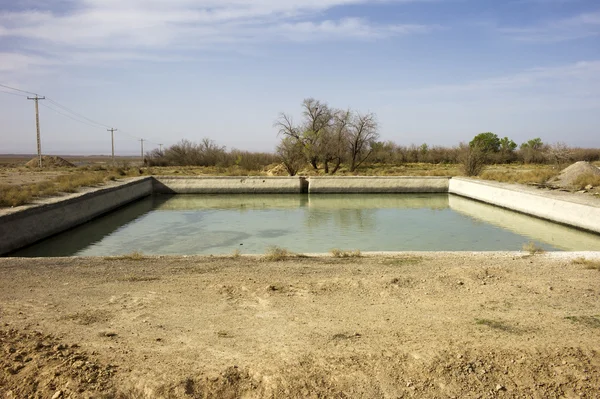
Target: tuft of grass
496, 325
275, 254
588, 263
137, 256
134, 279
338, 253
236, 254
585, 180
532, 248
402, 260
588, 321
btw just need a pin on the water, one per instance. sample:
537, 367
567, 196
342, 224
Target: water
221, 224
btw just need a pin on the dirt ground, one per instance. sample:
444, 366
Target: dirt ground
462, 325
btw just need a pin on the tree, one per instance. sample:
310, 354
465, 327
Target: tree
290, 152
532, 151
362, 135
330, 136
486, 142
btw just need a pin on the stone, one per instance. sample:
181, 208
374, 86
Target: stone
57, 395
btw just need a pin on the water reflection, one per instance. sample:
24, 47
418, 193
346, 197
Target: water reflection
220, 224
556, 235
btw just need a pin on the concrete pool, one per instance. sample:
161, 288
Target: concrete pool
251, 224
304, 214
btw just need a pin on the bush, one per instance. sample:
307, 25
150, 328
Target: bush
472, 160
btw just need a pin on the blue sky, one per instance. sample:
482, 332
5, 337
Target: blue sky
434, 71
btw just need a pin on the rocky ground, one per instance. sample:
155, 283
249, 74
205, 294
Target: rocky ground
495, 325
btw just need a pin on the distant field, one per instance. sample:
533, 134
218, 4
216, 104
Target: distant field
13, 160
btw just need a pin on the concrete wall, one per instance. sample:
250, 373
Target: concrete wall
368, 185
565, 208
229, 185
26, 225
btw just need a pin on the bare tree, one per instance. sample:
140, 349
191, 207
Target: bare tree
362, 134
290, 152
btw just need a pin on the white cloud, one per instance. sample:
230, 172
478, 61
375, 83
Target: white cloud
133, 29
577, 27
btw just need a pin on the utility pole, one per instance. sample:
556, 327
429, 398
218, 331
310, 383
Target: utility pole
112, 138
142, 141
37, 125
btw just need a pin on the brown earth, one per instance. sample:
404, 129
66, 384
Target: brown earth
462, 325
49, 161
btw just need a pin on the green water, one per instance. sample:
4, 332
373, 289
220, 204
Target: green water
221, 224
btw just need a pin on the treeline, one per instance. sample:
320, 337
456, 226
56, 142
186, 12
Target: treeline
327, 139
208, 153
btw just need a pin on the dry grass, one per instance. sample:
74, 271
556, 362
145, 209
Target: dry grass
532, 248
537, 175
338, 253
497, 325
137, 256
15, 195
588, 263
276, 254
587, 179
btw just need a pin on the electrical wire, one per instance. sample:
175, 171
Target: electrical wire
70, 117
14, 94
22, 91
69, 113
76, 113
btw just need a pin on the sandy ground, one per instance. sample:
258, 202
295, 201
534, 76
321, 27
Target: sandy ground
413, 325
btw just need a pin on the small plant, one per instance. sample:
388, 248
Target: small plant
131, 256
532, 248
588, 263
588, 321
496, 325
402, 260
236, 254
338, 253
275, 254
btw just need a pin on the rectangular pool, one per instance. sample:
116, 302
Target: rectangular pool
222, 224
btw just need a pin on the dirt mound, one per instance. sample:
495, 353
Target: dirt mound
569, 175
49, 161
38, 365
278, 170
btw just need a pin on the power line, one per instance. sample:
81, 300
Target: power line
71, 117
22, 91
14, 94
76, 113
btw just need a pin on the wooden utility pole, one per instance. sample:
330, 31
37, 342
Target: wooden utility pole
142, 141
37, 125
112, 138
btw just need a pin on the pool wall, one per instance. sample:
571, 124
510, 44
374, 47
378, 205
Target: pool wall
570, 209
377, 185
230, 185
25, 225
28, 224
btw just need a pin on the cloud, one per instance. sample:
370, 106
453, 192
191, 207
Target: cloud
577, 27
570, 86
136, 29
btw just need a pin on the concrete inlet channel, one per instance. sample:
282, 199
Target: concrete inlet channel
25, 225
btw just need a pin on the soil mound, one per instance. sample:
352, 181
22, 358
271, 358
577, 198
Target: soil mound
38, 365
569, 175
49, 161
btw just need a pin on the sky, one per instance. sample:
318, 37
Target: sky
433, 71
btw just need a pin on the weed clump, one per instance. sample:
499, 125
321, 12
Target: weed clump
588, 263
338, 253
275, 254
533, 248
